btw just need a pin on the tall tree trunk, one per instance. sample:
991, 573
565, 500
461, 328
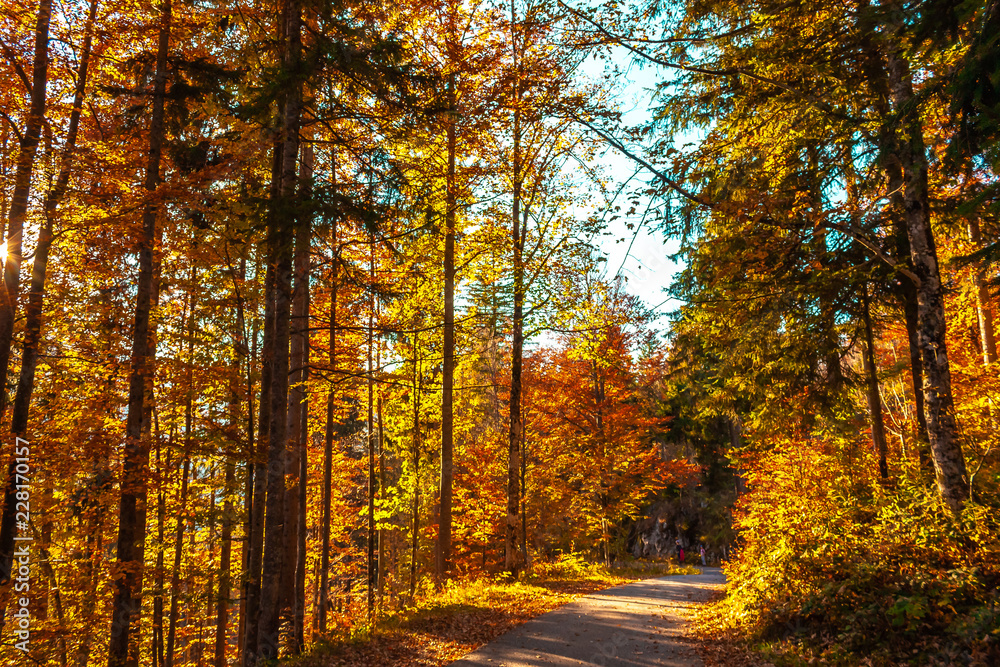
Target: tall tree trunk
512, 561
175, 577
253, 457
225, 557
12, 262
126, 607
161, 523
230, 488
524, 498
909, 298
19, 206
372, 566
293, 450
949, 463
324, 568
94, 547
148, 413
415, 453
99, 453
280, 234
874, 65
185, 473
255, 535
223, 600
4, 174
448, 371
264, 595
47, 569
36, 294
300, 537
252, 651
299, 398
874, 398
381, 480
206, 618
300, 565
908, 294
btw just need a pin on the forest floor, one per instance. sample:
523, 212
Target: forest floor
716, 647
448, 625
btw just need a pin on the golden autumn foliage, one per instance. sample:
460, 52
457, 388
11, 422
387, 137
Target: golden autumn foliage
305, 323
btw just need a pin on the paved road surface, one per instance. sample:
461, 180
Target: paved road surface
636, 625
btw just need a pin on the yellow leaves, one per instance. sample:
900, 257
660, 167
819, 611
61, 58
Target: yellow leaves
834, 561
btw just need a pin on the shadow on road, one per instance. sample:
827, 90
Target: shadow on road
636, 625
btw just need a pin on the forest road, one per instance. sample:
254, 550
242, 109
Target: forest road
636, 625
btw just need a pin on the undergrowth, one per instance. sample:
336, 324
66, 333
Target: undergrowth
847, 572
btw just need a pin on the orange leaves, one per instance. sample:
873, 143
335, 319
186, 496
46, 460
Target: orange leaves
592, 441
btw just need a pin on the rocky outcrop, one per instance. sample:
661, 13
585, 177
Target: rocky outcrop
656, 535
655, 541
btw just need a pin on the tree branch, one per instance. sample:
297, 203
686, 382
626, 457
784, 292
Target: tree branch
680, 189
12, 57
737, 71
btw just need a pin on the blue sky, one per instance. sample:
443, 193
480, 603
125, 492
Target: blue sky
641, 255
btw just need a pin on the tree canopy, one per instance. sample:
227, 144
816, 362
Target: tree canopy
305, 313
